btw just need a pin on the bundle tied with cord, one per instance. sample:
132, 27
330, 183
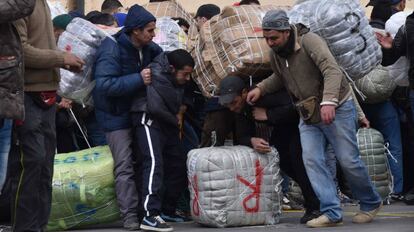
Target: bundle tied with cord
232, 43
173, 9
234, 186
346, 30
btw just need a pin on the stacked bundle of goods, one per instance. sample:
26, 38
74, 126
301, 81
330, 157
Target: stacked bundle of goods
345, 28
174, 10
377, 86
232, 43
83, 189
81, 38
374, 154
169, 35
234, 186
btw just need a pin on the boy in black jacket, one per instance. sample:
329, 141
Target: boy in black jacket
157, 137
277, 111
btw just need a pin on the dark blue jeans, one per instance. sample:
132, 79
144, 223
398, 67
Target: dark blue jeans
384, 117
5, 138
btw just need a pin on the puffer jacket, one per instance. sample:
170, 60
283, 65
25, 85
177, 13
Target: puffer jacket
11, 58
118, 79
164, 95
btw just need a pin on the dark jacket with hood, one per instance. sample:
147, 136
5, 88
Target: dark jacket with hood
11, 58
280, 113
117, 73
403, 45
164, 95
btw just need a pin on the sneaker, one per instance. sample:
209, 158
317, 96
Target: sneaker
155, 223
322, 221
174, 218
131, 224
309, 215
5, 228
366, 217
397, 197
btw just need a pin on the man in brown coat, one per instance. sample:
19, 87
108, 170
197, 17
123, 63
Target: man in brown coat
31, 162
301, 61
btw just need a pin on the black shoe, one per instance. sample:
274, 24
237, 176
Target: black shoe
5, 228
155, 223
174, 218
309, 215
131, 224
397, 197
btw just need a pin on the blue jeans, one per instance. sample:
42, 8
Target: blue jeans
412, 102
5, 140
341, 134
384, 117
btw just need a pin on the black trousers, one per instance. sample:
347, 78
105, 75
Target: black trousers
162, 162
31, 164
286, 139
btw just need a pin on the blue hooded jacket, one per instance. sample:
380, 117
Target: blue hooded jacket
117, 72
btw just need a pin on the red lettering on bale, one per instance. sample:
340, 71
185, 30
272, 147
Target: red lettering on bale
256, 189
196, 209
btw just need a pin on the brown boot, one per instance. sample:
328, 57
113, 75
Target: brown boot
322, 221
366, 217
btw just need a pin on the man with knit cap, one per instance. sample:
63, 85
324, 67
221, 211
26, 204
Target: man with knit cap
60, 23
120, 74
32, 160
301, 61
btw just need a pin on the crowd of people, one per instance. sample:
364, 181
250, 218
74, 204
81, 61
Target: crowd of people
150, 112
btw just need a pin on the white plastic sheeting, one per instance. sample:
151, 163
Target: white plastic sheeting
169, 35
345, 28
234, 186
81, 38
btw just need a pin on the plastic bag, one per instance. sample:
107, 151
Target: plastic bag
169, 35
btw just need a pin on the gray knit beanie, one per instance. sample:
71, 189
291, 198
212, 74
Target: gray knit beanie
276, 20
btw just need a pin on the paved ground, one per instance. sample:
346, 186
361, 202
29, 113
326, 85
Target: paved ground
396, 217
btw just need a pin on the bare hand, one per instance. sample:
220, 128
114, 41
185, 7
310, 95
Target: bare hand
260, 145
384, 41
72, 62
260, 114
328, 114
146, 76
65, 104
364, 123
253, 96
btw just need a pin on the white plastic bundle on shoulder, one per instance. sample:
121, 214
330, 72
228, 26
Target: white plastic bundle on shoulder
81, 38
169, 35
399, 70
234, 186
345, 28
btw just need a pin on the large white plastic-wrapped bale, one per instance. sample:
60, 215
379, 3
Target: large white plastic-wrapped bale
234, 186
169, 35
81, 38
345, 28
399, 70
377, 86
374, 154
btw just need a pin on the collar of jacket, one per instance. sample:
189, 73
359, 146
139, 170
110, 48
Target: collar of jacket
298, 31
125, 41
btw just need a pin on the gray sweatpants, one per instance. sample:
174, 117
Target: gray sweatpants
120, 142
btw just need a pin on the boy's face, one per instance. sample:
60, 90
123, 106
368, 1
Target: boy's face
183, 75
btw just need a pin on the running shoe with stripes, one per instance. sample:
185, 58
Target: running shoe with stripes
155, 223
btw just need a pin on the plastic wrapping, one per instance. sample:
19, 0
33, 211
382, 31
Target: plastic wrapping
345, 28
232, 43
377, 86
374, 154
81, 38
173, 9
169, 35
234, 186
56, 8
399, 70
83, 189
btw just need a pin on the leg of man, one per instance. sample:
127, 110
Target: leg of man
30, 168
342, 135
175, 173
149, 141
384, 118
120, 142
314, 145
220, 122
5, 140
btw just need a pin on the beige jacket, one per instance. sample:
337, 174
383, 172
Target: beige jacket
39, 47
310, 71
